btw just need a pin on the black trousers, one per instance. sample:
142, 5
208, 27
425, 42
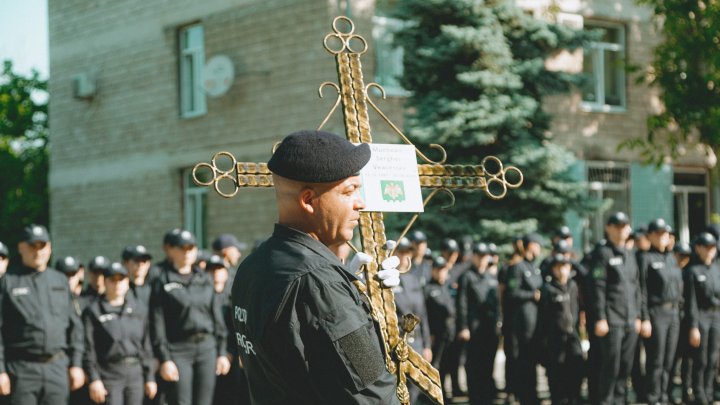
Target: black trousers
196, 365
617, 351
35, 383
124, 383
638, 374
592, 366
706, 356
441, 359
525, 370
565, 374
660, 353
481, 351
454, 355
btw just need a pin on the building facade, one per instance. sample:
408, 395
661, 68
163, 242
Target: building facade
132, 111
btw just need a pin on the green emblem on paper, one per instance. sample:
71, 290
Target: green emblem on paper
392, 190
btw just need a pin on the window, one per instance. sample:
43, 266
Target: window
607, 181
691, 203
604, 64
195, 206
388, 56
192, 60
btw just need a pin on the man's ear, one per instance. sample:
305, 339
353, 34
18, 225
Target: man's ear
306, 200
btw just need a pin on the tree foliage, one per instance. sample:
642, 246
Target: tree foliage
477, 76
686, 66
23, 152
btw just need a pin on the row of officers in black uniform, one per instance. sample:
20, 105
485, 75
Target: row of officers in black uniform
136, 334
630, 294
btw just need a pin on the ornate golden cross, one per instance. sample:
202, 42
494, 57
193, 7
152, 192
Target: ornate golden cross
352, 94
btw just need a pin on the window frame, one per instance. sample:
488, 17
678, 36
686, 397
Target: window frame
596, 222
197, 55
381, 27
596, 52
195, 207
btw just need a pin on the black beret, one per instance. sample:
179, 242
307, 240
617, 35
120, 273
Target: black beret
481, 249
658, 225
182, 238
618, 218
135, 252
318, 157
98, 263
169, 235
67, 265
640, 231
214, 262
4, 250
492, 248
439, 262
418, 236
404, 244
563, 232
713, 229
115, 269
532, 238
560, 259
428, 254
227, 240
35, 233
450, 245
561, 246
682, 249
705, 239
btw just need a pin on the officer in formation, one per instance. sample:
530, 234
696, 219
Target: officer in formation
4, 258
441, 316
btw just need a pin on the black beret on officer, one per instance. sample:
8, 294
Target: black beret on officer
318, 157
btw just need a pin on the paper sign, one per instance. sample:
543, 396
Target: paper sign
390, 181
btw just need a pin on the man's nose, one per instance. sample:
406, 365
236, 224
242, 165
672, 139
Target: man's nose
359, 203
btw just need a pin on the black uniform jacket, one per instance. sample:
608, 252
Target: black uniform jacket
523, 279
38, 317
183, 307
617, 295
477, 301
702, 289
115, 334
558, 319
410, 299
440, 310
306, 335
662, 277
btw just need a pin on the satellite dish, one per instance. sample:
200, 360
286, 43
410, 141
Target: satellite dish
218, 75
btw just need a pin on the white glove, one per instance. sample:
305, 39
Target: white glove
358, 261
389, 275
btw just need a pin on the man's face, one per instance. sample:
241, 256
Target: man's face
137, 268
706, 253
618, 232
336, 212
96, 280
182, 256
3, 264
36, 254
232, 254
116, 286
659, 240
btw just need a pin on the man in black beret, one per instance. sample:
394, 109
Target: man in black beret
306, 334
41, 344
137, 260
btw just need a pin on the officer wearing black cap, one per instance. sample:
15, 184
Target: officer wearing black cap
70, 267
441, 315
230, 249
561, 247
4, 261
523, 289
410, 299
450, 251
508, 315
41, 343
137, 261
558, 320
477, 320
663, 291
306, 334
421, 263
118, 356
96, 280
702, 310
187, 327
616, 309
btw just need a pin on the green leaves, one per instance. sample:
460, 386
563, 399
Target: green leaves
23, 152
476, 72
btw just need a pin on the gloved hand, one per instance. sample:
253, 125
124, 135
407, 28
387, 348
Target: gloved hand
358, 261
389, 275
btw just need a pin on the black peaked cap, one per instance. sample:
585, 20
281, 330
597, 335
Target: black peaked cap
318, 157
